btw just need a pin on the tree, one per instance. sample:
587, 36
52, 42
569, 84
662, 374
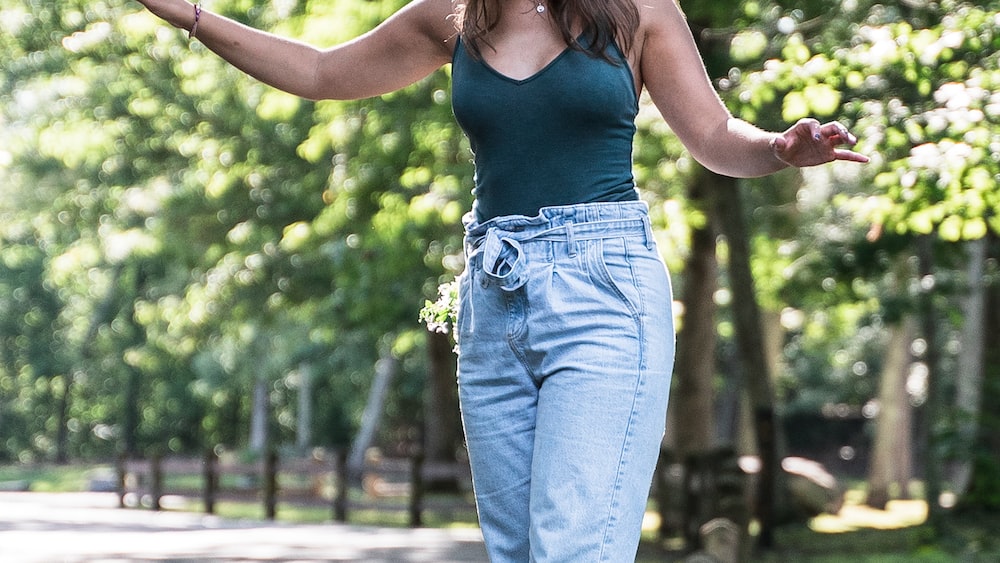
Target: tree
241, 210
918, 88
892, 453
983, 494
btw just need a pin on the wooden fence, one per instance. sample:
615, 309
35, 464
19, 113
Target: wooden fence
698, 492
321, 480
690, 492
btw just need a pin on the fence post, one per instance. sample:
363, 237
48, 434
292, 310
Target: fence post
416, 488
210, 480
271, 485
156, 480
120, 473
343, 486
670, 494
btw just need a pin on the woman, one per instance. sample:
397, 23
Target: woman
564, 328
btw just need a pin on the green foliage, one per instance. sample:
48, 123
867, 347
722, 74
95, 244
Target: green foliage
173, 230
915, 82
834, 256
922, 101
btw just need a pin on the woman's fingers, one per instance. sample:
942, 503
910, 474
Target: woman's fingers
809, 143
838, 133
844, 154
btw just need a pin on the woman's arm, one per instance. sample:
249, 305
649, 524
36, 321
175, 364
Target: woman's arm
672, 71
403, 49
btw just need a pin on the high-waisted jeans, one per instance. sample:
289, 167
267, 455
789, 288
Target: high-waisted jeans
566, 346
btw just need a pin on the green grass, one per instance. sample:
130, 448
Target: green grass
387, 517
860, 534
52, 478
389, 511
801, 544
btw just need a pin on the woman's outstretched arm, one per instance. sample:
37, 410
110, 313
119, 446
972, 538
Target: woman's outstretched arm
672, 71
403, 49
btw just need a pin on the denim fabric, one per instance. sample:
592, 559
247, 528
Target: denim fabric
566, 346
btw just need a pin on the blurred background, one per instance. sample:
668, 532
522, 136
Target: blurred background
194, 266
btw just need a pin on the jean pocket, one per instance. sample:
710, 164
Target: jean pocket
614, 268
463, 312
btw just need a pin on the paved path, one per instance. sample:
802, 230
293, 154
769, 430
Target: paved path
88, 527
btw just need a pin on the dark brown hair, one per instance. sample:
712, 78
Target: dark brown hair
603, 22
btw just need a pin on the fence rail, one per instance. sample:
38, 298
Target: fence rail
322, 480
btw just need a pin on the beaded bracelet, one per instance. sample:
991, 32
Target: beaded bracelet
197, 17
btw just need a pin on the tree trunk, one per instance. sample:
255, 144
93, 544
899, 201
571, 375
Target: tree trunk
690, 428
891, 466
303, 431
774, 343
385, 371
984, 485
771, 504
935, 400
130, 420
134, 378
258, 416
62, 417
442, 431
969, 379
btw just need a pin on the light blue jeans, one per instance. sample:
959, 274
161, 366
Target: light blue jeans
566, 346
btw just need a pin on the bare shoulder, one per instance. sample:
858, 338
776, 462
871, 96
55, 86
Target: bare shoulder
659, 16
663, 39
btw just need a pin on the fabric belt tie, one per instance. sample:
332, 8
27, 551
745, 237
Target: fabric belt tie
503, 260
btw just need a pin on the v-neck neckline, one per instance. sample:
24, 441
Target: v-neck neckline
538, 73
562, 54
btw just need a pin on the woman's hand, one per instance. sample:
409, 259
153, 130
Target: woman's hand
807, 143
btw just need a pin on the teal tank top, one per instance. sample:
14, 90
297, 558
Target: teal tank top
562, 136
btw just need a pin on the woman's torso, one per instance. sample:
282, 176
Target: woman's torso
560, 136
548, 124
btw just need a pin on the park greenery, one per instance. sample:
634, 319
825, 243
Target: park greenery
190, 259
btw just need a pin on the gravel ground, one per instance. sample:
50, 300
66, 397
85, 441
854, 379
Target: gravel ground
89, 527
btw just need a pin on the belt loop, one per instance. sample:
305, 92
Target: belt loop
650, 241
570, 239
